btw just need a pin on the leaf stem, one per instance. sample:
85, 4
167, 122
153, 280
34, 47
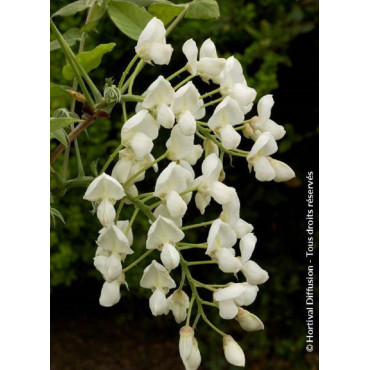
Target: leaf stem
177, 20
183, 82
137, 70
210, 93
196, 263
127, 70
110, 159
137, 261
213, 102
206, 223
181, 70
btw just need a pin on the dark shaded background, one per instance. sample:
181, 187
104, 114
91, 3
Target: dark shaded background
277, 42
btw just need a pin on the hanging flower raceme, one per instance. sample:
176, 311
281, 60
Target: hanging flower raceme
163, 234
105, 190
209, 66
157, 278
151, 45
265, 167
139, 132
234, 84
226, 115
262, 123
209, 186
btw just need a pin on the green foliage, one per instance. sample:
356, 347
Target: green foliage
203, 9
71, 36
88, 59
129, 18
61, 122
61, 136
73, 8
166, 12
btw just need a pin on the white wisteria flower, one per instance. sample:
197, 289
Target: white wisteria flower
151, 45
139, 132
233, 296
110, 267
226, 115
248, 321
220, 242
178, 303
129, 164
209, 66
158, 98
233, 353
110, 293
157, 278
188, 348
234, 84
254, 274
174, 180
262, 123
163, 234
105, 190
114, 240
208, 184
267, 168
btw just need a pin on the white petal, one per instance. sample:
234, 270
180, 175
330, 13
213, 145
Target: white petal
221, 193
282, 171
227, 262
170, 256
141, 144
195, 359
233, 353
248, 296
211, 167
277, 131
160, 53
114, 240
110, 294
156, 276
202, 201
159, 92
158, 303
228, 309
186, 98
186, 343
165, 116
263, 169
106, 212
264, 108
230, 139
175, 204
123, 226
221, 235
191, 52
243, 94
242, 228
226, 112
104, 187
163, 211
153, 31
110, 267
187, 124
229, 293
210, 68
254, 273
178, 303
265, 145
208, 49
141, 122
247, 245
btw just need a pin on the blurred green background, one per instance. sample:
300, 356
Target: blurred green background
277, 43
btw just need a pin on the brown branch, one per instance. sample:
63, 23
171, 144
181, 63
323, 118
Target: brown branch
79, 128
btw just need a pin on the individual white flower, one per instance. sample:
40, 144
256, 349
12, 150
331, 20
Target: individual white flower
162, 210
234, 84
157, 99
178, 303
139, 132
266, 168
248, 321
186, 343
234, 295
174, 180
110, 267
106, 191
231, 215
110, 293
209, 66
128, 165
254, 274
233, 353
208, 185
187, 123
262, 123
157, 278
181, 147
194, 359
112, 239
187, 98
226, 115
124, 227
151, 45
162, 235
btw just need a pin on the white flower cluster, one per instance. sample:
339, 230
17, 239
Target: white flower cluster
181, 109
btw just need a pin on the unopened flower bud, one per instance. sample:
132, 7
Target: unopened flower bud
61, 112
112, 94
186, 343
170, 256
248, 321
106, 212
178, 303
233, 353
194, 359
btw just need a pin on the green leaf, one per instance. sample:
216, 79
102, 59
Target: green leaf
98, 14
61, 136
129, 18
61, 122
203, 9
88, 59
55, 213
71, 36
58, 92
166, 11
73, 8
